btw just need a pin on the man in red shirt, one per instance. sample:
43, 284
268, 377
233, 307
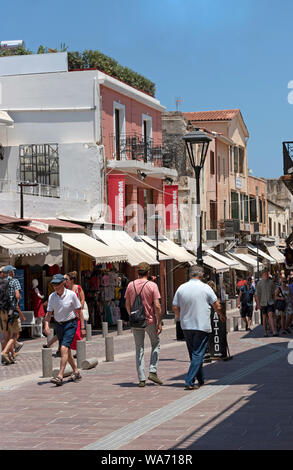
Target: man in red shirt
150, 298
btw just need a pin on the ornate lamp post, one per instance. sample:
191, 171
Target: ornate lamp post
197, 143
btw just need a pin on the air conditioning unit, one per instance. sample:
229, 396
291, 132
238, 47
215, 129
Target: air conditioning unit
212, 235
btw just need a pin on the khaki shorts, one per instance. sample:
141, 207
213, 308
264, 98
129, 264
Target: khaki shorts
12, 328
3, 321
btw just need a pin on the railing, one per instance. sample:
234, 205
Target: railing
42, 190
288, 157
135, 147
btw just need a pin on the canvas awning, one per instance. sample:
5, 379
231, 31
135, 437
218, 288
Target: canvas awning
215, 264
55, 253
18, 244
100, 252
135, 251
247, 259
5, 119
224, 259
171, 249
276, 254
238, 266
261, 253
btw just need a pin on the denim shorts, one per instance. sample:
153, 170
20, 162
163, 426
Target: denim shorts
66, 331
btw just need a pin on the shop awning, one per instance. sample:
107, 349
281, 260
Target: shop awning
5, 119
276, 254
100, 252
224, 259
247, 259
55, 254
18, 244
215, 264
238, 266
261, 253
171, 249
135, 251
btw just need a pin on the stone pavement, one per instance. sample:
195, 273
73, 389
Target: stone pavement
245, 404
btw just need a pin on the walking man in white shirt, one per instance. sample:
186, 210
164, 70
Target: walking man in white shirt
66, 306
191, 304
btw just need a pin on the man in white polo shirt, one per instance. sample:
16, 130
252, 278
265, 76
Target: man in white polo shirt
66, 306
191, 304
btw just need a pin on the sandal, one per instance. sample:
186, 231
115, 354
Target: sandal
57, 381
75, 376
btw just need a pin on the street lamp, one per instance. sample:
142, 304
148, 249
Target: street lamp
21, 195
197, 143
257, 237
157, 218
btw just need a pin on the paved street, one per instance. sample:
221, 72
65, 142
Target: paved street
245, 404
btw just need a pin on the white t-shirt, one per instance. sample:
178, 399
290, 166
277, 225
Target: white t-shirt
63, 306
194, 299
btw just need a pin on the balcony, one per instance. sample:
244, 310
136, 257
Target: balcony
287, 178
133, 153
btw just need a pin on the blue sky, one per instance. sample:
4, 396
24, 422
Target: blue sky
214, 54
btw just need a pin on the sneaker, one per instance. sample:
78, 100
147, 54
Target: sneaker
18, 347
154, 378
141, 383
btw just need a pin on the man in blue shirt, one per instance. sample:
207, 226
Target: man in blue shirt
191, 303
245, 300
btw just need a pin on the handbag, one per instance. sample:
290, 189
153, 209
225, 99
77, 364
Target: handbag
85, 311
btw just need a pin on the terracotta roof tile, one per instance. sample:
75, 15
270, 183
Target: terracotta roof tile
220, 115
6, 219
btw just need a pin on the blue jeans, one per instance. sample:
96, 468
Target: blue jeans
196, 342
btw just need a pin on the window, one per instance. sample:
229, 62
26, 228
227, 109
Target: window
252, 209
241, 160
264, 212
234, 205
241, 206
270, 226
119, 129
224, 169
279, 229
231, 159
40, 164
225, 209
219, 169
246, 218
260, 218
236, 153
275, 233
147, 136
212, 162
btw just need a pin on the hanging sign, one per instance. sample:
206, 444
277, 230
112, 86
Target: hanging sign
116, 198
171, 206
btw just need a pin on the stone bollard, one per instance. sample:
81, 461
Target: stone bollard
119, 327
50, 335
243, 324
47, 362
80, 352
228, 305
109, 345
67, 372
88, 332
105, 328
235, 323
257, 318
233, 304
89, 363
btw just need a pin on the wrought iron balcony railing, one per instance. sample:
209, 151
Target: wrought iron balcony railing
135, 147
288, 158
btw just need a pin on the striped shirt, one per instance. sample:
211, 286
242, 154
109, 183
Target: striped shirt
14, 285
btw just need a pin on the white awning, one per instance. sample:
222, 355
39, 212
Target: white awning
5, 119
215, 264
18, 244
55, 253
247, 259
261, 253
100, 252
224, 259
171, 249
276, 254
135, 251
238, 266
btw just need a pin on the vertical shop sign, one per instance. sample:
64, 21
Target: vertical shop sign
116, 198
171, 206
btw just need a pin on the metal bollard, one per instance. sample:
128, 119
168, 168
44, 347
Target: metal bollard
109, 346
105, 328
50, 335
47, 362
80, 352
88, 332
119, 327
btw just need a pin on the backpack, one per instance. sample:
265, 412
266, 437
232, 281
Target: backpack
137, 318
5, 301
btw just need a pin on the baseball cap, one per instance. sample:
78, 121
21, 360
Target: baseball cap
143, 267
57, 279
8, 268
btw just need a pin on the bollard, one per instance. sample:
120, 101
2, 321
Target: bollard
88, 332
119, 327
50, 335
47, 362
233, 304
243, 324
235, 323
105, 328
256, 318
109, 345
228, 305
80, 352
67, 371
89, 363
